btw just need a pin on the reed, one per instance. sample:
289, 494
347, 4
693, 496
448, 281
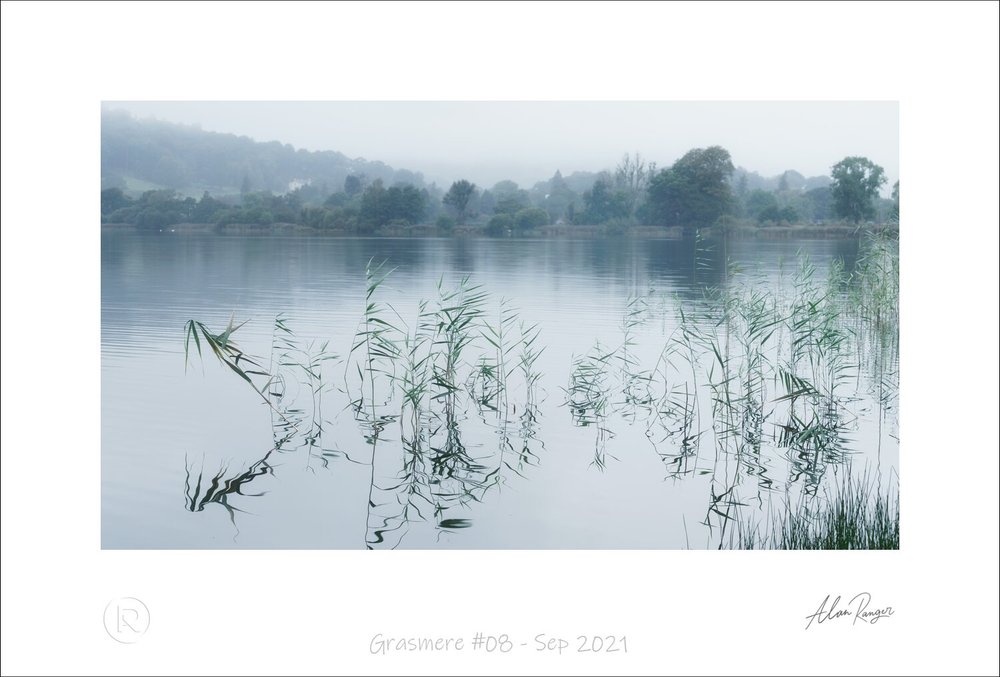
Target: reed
588, 396
375, 350
856, 514
768, 377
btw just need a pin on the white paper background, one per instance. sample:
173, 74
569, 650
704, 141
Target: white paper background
315, 612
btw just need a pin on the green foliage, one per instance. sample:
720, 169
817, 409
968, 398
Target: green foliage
531, 218
511, 204
821, 203
399, 205
761, 205
695, 191
154, 210
377, 206
506, 188
207, 209
557, 198
374, 211
341, 199
112, 199
353, 185
508, 198
858, 516
632, 177
458, 197
446, 223
500, 224
260, 209
774, 214
856, 182
228, 353
603, 203
487, 203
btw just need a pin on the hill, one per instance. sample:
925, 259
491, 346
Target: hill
139, 155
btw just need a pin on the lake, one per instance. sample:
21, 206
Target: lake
593, 393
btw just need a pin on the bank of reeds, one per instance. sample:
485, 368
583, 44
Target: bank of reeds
857, 514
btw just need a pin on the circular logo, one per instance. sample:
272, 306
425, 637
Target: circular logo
126, 619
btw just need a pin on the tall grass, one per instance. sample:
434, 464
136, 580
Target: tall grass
589, 397
753, 386
857, 514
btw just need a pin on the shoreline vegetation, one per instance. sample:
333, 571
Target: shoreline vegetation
803, 231
702, 193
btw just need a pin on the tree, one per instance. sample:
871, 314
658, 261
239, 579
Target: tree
353, 185
157, 209
397, 205
821, 201
404, 204
487, 203
458, 197
602, 203
373, 211
509, 198
555, 197
337, 200
774, 214
895, 202
695, 191
531, 218
207, 209
505, 188
762, 205
632, 177
113, 199
856, 182
509, 204
500, 224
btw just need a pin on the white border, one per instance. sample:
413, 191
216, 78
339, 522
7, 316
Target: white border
688, 613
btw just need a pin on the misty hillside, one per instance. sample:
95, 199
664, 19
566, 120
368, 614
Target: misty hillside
139, 155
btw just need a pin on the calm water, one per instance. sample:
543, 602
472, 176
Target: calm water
192, 458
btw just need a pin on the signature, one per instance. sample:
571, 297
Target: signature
859, 609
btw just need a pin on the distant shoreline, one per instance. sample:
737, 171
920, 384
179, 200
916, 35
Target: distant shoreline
833, 231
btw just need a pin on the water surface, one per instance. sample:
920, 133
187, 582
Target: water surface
192, 457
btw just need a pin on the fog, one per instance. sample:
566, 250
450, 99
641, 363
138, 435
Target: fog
486, 142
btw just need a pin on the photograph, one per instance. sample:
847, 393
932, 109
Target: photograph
518, 325
485, 338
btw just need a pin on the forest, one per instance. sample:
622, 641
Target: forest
156, 175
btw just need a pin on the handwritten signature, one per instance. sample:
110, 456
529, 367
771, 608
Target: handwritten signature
857, 608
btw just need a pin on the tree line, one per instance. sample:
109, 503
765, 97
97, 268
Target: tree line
697, 191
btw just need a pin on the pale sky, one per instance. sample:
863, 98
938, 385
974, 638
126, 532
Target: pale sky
486, 142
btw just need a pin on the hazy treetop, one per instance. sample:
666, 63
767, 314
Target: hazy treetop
486, 142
